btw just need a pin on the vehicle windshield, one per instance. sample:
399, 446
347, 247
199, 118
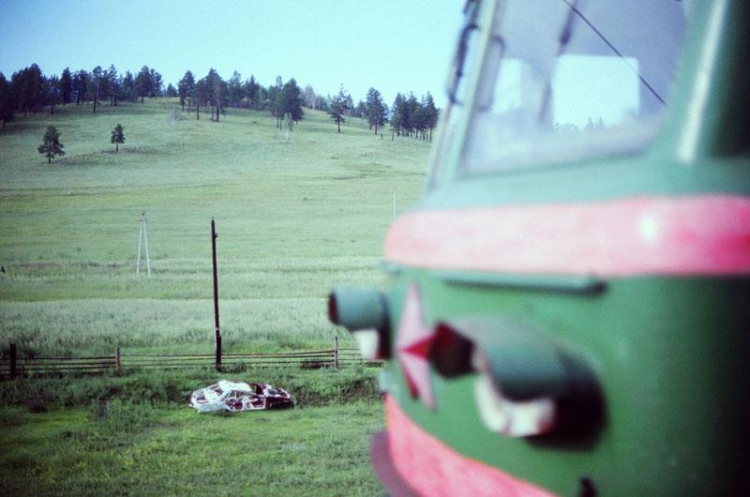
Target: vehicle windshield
567, 79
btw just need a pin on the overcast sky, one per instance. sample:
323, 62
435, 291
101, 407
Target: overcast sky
392, 45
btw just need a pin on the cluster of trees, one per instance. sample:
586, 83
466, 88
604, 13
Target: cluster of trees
29, 90
410, 117
284, 100
407, 116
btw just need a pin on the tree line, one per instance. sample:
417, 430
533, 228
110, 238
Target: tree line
30, 91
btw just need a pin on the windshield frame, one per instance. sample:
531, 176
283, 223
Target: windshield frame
483, 29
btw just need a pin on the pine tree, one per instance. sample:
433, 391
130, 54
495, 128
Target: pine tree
216, 92
127, 86
235, 91
251, 88
117, 137
186, 88
51, 145
97, 84
338, 106
7, 103
399, 114
201, 96
112, 84
413, 116
375, 109
80, 85
51, 89
431, 113
276, 100
292, 97
156, 83
66, 86
144, 83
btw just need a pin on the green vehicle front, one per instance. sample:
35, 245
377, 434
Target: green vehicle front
568, 311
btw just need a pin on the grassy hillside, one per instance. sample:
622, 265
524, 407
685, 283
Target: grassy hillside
296, 213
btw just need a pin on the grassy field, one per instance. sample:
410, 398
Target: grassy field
133, 436
124, 451
296, 214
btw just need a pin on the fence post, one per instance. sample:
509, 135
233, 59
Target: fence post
12, 361
336, 352
117, 359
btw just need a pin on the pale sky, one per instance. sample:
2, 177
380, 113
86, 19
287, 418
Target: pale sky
392, 45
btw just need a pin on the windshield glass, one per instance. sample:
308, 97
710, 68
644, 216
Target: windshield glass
568, 79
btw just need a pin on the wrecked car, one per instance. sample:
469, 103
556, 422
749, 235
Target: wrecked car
235, 396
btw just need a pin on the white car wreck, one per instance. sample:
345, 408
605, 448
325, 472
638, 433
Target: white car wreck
240, 396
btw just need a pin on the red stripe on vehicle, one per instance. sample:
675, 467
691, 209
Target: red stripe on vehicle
432, 469
707, 235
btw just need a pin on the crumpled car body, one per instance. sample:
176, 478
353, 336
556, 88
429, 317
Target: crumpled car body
235, 396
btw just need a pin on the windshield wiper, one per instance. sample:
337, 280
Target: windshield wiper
459, 58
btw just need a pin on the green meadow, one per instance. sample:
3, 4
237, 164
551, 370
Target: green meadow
296, 213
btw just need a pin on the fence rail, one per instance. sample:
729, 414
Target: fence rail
14, 366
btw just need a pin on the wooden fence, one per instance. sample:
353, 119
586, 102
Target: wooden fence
14, 366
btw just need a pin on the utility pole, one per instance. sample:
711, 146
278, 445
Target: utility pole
216, 296
143, 240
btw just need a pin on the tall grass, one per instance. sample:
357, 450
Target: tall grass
134, 435
133, 438
121, 450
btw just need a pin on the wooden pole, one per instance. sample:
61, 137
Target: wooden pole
117, 359
216, 296
336, 352
13, 364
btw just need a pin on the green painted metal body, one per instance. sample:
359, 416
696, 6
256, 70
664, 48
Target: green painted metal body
669, 352
660, 347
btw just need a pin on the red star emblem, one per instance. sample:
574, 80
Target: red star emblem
413, 347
